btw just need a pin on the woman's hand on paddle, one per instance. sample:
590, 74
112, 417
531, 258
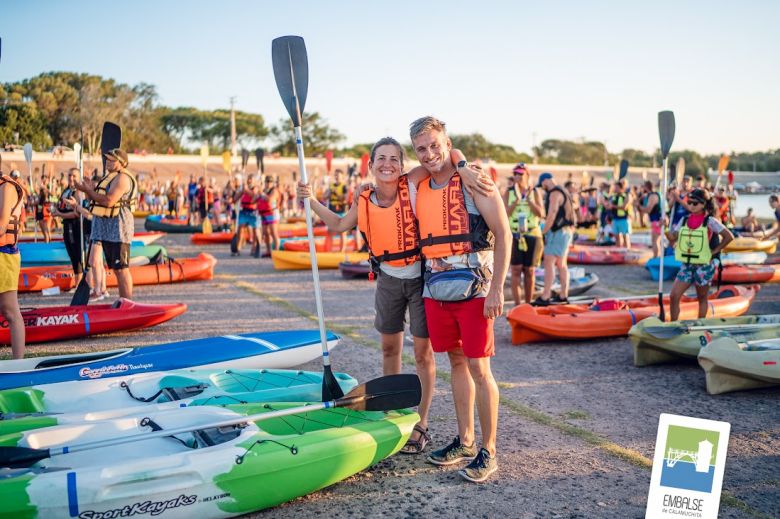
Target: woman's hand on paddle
494, 302
303, 191
70, 201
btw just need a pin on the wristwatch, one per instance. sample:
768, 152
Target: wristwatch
461, 164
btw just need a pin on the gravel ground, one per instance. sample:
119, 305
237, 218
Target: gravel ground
577, 422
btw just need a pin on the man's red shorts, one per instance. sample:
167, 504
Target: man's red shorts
460, 324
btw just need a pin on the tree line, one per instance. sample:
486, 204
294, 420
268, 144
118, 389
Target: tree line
60, 108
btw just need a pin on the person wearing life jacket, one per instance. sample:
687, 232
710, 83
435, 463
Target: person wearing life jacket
466, 241
697, 239
525, 208
605, 218
618, 204
560, 219
43, 213
337, 195
268, 208
651, 206
723, 207
247, 201
71, 223
12, 198
679, 206
384, 214
114, 198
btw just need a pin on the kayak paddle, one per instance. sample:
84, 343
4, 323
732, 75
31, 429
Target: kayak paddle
381, 394
722, 165
670, 332
110, 138
666, 129
291, 72
623, 169
28, 151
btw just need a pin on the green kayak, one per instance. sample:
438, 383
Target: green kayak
655, 341
211, 472
731, 366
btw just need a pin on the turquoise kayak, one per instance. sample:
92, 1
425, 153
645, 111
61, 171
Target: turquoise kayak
54, 253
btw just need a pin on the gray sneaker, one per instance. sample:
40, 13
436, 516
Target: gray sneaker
452, 453
480, 467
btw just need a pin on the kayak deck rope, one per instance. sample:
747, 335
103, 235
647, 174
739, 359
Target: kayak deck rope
240, 459
252, 382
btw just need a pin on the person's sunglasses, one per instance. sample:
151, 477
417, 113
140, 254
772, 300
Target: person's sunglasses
695, 202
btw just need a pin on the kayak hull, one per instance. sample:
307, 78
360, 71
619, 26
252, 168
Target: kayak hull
271, 350
581, 322
54, 253
356, 270
291, 260
672, 266
728, 366
323, 244
747, 244
285, 457
649, 349
597, 255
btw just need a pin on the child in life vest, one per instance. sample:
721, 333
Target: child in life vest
697, 239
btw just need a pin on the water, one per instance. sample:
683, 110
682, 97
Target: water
759, 203
684, 475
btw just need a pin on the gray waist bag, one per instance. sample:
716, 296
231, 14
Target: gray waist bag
456, 284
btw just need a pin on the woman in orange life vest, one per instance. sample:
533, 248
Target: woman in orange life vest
43, 216
385, 215
697, 249
12, 197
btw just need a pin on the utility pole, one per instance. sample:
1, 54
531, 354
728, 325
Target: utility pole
233, 149
606, 154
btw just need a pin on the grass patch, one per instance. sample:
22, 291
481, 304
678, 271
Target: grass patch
575, 414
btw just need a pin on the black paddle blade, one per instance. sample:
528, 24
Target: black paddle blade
81, 295
384, 394
666, 131
623, 169
291, 72
21, 457
111, 138
331, 390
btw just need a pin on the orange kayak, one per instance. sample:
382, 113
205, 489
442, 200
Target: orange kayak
614, 318
34, 279
597, 255
199, 238
750, 273
322, 244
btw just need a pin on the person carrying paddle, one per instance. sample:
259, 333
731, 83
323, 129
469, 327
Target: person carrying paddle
12, 198
559, 225
466, 259
113, 201
697, 239
385, 215
71, 225
524, 207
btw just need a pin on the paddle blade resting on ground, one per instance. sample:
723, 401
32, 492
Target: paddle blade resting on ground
623, 169
666, 131
291, 71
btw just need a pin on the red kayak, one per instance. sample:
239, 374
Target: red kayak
750, 273
56, 323
610, 255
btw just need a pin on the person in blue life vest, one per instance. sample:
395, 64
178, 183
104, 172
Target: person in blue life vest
697, 239
525, 209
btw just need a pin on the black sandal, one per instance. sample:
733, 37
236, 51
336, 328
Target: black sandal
417, 446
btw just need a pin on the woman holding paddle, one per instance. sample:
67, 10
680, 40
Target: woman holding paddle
697, 239
384, 214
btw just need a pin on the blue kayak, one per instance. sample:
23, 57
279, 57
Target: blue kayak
259, 350
54, 253
671, 267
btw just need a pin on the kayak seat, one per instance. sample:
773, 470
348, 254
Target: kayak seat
177, 387
609, 305
116, 304
78, 359
215, 436
24, 400
727, 292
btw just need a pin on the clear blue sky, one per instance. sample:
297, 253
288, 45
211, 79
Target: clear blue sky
560, 69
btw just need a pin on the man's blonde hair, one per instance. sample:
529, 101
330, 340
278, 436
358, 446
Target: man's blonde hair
426, 124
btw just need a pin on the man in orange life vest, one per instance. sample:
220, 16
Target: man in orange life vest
12, 196
337, 202
466, 242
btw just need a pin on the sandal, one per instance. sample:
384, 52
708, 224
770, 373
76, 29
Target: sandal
417, 446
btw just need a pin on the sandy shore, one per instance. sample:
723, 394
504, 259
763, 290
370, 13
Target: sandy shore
577, 420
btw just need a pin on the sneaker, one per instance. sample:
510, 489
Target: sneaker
480, 468
94, 298
541, 302
452, 453
559, 300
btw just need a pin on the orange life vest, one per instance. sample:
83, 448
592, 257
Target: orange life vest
391, 232
446, 228
11, 235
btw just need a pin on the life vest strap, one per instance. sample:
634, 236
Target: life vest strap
391, 256
452, 238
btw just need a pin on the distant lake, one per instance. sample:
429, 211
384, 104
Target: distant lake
759, 203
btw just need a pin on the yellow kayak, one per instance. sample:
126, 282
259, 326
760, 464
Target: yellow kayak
747, 244
294, 260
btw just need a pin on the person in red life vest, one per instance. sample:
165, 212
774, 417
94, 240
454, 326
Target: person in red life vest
43, 213
723, 207
466, 260
12, 197
247, 199
697, 239
384, 215
268, 207
337, 195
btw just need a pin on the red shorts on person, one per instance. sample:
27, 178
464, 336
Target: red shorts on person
460, 324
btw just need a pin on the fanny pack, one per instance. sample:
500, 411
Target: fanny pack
455, 284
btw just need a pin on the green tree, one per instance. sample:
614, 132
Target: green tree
476, 146
555, 151
23, 123
318, 135
637, 158
187, 123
